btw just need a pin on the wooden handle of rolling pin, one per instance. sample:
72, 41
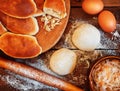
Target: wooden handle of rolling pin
37, 75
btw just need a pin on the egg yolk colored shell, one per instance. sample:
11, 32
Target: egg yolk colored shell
92, 6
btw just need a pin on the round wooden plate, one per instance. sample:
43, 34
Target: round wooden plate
48, 39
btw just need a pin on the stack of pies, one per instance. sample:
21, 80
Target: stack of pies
19, 24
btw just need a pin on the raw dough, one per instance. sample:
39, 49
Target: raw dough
86, 37
63, 61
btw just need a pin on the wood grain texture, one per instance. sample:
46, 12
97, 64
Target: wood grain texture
85, 59
77, 14
107, 3
37, 75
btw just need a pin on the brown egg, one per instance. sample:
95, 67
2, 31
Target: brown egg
92, 6
107, 21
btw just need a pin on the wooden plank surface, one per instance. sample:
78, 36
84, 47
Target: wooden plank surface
79, 76
77, 14
107, 3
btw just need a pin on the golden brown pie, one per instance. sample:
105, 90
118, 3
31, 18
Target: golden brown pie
2, 29
55, 8
39, 4
19, 46
21, 26
18, 8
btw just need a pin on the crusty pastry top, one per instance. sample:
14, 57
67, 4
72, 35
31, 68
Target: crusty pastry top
39, 4
55, 8
21, 20
27, 26
18, 8
2, 29
19, 46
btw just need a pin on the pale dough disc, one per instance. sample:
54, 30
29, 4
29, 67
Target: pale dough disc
86, 37
63, 61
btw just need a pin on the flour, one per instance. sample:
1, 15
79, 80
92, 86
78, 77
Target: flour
77, 77
108, 41
26, 84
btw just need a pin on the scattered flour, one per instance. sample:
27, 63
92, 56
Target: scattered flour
26, 84
80, 74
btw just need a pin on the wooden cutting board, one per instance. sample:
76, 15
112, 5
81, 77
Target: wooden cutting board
48, 39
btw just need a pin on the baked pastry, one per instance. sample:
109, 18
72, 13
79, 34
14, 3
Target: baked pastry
19, 46
27, 26
39, 4
2, 29
18, 8
56, 8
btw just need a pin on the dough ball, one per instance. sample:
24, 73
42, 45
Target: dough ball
63, 61
86, 37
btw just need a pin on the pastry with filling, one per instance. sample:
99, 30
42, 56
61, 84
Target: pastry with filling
39, 4
27, 26
19, 46
18, 8
55, 8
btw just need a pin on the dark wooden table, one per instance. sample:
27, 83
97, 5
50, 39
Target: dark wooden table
108, 46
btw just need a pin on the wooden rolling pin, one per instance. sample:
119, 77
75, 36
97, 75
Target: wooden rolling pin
37, 75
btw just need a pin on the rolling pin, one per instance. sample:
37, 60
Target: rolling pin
38, 75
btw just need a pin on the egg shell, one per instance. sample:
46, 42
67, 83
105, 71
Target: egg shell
107, 21
92, 6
